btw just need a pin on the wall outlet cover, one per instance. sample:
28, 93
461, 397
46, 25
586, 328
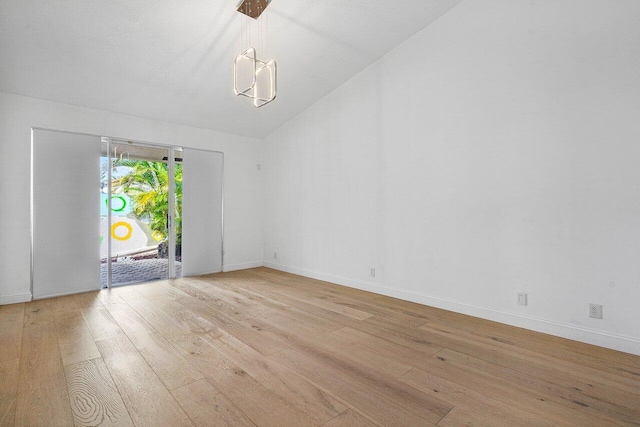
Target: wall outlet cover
522, 298
595, 311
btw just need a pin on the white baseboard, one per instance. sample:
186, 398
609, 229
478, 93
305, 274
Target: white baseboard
16, 298
589, 336
242, 266
63, 294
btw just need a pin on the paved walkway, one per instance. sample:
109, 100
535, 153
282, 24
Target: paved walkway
128, 271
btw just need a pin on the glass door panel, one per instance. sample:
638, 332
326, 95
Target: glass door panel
178, 210
106, 168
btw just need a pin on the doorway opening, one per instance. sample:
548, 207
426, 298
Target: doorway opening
137, 185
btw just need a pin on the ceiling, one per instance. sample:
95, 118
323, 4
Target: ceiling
173, 60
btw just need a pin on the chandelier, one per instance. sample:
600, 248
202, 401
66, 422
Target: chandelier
254, 78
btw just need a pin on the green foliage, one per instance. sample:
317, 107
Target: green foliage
148, 186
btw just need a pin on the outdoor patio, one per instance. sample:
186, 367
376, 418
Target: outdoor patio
126, 271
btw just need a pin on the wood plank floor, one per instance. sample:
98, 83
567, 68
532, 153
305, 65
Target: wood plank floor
264, 348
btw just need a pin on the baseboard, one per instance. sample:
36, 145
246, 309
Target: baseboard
16, 298
242, 266
63, 294
590, 336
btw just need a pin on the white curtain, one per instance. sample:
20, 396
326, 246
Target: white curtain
65, 213
202, 175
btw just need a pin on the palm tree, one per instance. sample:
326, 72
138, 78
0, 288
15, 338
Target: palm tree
147, 184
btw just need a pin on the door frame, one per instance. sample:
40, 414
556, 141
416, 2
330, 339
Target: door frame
171, 231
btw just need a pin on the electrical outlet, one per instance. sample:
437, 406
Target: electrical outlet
595, 311
372, 272
522, 298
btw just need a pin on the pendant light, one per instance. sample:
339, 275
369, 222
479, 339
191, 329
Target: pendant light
254, 78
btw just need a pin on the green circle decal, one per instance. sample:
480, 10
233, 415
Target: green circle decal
113, 208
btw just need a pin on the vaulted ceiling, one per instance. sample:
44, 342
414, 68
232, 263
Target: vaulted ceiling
172, 60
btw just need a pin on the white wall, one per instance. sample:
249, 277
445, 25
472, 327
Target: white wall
496, 151
243, 202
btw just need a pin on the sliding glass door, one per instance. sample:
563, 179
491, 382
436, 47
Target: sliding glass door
108, 212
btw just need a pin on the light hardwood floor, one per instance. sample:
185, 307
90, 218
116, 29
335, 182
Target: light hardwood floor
261, 347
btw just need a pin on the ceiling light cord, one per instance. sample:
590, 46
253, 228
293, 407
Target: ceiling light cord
261, 34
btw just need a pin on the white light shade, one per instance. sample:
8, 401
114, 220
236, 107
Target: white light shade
255, 79
266, 81
244, 73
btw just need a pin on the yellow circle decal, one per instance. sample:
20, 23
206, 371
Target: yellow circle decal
128, 234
